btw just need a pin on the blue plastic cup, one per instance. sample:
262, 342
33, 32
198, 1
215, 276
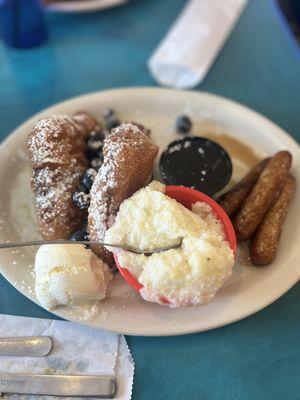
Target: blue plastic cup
22, 23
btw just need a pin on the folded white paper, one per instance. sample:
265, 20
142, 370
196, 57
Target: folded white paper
77, 349
193, 42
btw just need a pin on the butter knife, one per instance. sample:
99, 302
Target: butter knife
29, 346
102, 386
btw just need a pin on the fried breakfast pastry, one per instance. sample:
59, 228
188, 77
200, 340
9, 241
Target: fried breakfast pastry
127, 166
56, 148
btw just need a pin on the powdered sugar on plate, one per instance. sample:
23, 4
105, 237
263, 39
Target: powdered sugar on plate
22, 210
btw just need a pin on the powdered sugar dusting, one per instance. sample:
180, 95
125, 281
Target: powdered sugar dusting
53, 193
39, 145
22, 210
128, 126
128, 158
57, 154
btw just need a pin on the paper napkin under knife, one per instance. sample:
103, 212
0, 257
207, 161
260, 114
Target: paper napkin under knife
186, 53
77, 349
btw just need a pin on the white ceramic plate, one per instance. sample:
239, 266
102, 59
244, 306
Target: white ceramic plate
249, 290
82, 6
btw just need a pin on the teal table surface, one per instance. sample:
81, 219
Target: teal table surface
259, 357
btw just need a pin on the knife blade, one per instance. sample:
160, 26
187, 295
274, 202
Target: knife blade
102, 386
29, 346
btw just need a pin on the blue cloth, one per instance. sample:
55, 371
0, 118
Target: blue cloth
259, 357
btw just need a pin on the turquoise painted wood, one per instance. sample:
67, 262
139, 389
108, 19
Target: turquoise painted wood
259, 357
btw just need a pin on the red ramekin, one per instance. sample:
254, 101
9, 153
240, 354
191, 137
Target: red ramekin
187, 197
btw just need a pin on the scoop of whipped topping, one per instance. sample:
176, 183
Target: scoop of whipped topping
69, 275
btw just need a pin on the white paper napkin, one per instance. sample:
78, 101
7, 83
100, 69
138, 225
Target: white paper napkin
193, 42
77, 349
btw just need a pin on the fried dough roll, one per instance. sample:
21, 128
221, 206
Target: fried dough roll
265, 242
259, 200
56, 148
127, 166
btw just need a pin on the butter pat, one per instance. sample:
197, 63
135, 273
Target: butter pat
69, 275
189, 275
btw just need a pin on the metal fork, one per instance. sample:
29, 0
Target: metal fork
87, 243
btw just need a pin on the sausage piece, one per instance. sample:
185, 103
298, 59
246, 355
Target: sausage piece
233, 199
259, 200
265, 243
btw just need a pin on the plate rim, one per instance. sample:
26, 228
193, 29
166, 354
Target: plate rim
280, 132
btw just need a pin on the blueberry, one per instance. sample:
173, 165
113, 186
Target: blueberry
94, 144
183, 124
82, 188
97, 135
88, 178
81, 199
108, 113
85, 226
112, 123
96, 162
111, 119
81, 235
